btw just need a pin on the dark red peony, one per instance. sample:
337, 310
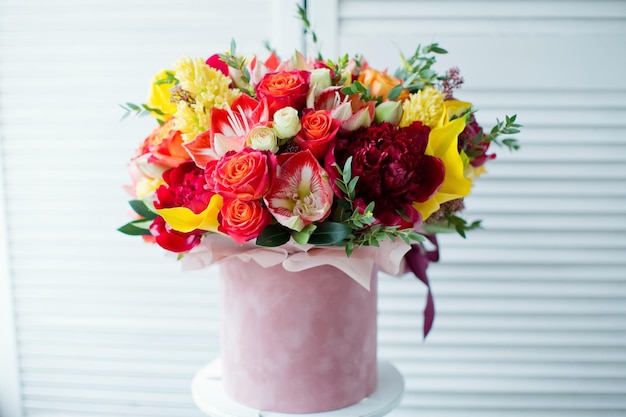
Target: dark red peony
392, 168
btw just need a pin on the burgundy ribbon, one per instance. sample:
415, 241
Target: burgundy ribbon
417, 260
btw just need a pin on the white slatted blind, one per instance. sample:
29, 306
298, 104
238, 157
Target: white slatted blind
105, 325
532, 309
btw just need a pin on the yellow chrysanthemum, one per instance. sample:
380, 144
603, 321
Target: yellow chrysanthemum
208, 88
426, 106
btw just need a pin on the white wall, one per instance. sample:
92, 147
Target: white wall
531, 310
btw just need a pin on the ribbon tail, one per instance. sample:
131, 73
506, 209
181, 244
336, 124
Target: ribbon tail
417, 261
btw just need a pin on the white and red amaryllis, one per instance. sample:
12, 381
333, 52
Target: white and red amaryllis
301, 193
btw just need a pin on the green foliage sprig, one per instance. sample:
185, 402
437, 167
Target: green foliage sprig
506, 127
139, 110
416, 70
239, 63
364, 92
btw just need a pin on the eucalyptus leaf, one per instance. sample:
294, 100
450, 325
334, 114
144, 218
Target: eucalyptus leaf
136, 228
329, 233
395, 92
273, 235
142, 209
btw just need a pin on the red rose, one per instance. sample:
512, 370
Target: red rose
318, 132
243, 220
282, 89
246, 175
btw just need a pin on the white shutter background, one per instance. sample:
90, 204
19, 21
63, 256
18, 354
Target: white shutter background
531, 310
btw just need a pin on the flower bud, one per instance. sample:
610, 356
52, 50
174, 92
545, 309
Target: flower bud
388, 111
262, 138
286, 123
320, 79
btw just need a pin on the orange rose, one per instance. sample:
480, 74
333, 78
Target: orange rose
243, 220
282, 89
318, 132
380, 83
246, 175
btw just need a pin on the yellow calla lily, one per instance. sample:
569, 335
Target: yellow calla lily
184, 220
160, 95
442, 143
456, 108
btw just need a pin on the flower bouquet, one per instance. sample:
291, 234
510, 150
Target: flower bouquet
307, 163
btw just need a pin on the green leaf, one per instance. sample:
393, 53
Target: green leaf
329, 233
341, 186
273, 235
142, 209
302, 237
136, 227
347, 170
427, 73
395, 92
437, 49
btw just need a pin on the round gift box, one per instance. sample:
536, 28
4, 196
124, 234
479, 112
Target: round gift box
297, 342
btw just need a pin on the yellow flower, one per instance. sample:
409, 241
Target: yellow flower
426, 106
146, 186
207, 88
160, 96
184, 220
442, 143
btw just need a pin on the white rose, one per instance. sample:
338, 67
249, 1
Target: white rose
320, 80
286, 123
263, 139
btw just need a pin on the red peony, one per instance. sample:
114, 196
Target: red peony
392, 168
184, 187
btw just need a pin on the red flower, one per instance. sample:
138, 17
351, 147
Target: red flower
184, 187
172, 240
282, 89
215, 62
243, 220
473, 145
392, 168
318, 132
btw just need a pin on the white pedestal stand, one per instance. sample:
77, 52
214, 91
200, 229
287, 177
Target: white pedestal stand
209, 396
